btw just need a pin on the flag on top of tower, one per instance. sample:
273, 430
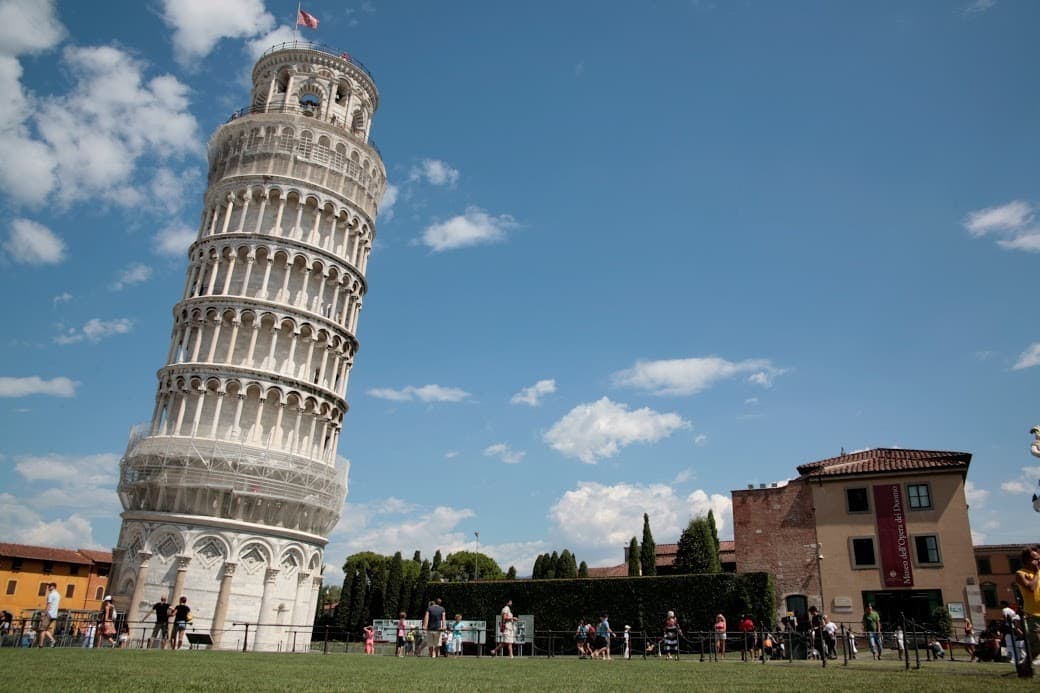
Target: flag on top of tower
307, 19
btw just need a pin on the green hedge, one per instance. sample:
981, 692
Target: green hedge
640, 602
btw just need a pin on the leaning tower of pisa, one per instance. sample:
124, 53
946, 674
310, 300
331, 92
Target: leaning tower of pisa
230, 491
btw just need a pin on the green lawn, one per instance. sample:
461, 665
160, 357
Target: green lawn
151, 670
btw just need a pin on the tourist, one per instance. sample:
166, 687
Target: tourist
720, 636
603, 635
455, 644
181, 617
506, 631
670, 637
872, 625
749, 642
970, 641
830, 637
627, 652
900, 642
581, 638
402, 632
370, 639
433, 623
162, 622
49, 615
107, 624
816, 647
1027, 579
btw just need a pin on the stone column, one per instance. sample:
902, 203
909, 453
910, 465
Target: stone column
302, 616
138, 595
263, 630
220, 612
178, 583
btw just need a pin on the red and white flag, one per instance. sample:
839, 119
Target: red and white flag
307, 19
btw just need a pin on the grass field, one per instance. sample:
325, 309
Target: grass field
150, 670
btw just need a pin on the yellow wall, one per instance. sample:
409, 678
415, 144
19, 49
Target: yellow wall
948, 519
27, 585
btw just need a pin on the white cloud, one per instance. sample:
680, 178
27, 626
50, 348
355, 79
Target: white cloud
386, 205
579, 68
692, 375
1013, 221
30, 243
475, 227
975, 496
95, 330
600, 519
29, 26
978, 7
426, 393
198, 25
434, 172
451, 454
597, 430
135, 273
504, 453
751, 401
34, 385
1014, 487
63, 297
1007, 217
258, 46
174, 240
533, 395
701, 440
1028, 358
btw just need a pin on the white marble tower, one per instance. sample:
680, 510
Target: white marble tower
230, 491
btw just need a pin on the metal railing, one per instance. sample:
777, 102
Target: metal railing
316, 112
320, 48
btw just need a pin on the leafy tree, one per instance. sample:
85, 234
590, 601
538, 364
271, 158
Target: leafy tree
566, 568
511, 573
583, 570
648, 551
466, 566
633, 558
943, 623
696, 552
394, 582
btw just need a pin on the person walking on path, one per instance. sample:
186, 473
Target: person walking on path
107, 625
402, 633
506, 631
50, 614
161, 629
433, 624
872, 625
720, 636
1028, 580
181, 616
970, 641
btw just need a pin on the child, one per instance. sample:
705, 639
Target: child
402, 632
455, 645
370, 640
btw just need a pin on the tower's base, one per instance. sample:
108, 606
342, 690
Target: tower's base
233, 574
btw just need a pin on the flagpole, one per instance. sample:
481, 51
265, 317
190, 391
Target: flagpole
296, 21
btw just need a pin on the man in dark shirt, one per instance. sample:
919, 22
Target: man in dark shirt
433, 624
162, 622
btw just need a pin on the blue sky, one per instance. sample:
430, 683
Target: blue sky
634, 257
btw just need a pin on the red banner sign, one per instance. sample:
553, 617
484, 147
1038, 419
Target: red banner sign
893, 539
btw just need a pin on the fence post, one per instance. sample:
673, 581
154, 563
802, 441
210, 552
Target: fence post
325, 647
245, 639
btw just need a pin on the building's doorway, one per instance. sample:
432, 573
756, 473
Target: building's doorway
918, 605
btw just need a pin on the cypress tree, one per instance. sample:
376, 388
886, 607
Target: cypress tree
554, 566
394, 582
437, 560
583, 570
538, 573
418, 606
714, 531
648, 551
567, 568
511, 573
633, 558
359, 597
341, 617
696, 549
417, 557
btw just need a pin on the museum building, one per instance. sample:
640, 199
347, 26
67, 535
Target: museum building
883, 526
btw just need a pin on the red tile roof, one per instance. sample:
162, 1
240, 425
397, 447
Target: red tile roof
43, 553
97, 556
611, 571
885, 460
